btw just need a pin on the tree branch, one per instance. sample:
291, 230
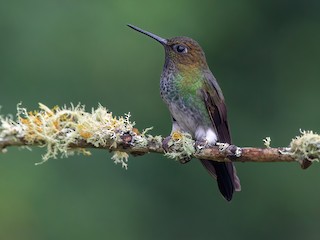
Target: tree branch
67, 130
249, 154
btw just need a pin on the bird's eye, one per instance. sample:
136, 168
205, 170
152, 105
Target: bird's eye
180, 49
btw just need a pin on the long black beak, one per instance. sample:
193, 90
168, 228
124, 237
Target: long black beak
161, 40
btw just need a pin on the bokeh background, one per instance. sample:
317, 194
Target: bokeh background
265, 55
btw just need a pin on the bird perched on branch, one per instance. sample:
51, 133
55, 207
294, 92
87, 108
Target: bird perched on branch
196, 103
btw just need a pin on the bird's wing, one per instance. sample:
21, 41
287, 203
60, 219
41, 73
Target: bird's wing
214, 101
225, 173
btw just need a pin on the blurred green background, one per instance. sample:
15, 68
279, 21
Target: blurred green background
265, 55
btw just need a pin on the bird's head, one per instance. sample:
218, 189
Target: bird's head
183, 51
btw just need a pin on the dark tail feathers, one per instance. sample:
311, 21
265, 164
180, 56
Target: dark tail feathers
224, 174
224, 180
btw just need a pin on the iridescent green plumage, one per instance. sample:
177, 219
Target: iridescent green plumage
188, 84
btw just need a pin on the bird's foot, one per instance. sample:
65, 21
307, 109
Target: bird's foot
232, 151
201, 144
166, 144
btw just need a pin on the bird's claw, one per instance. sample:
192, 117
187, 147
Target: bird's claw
222, 146
201, 144
232, 151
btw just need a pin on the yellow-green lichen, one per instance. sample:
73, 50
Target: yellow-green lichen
267, 142
121, 157
306, 146
10, 128
59, 128
181, 146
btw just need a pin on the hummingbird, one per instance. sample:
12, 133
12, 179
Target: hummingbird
196, 103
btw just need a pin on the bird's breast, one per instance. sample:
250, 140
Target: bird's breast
185, 103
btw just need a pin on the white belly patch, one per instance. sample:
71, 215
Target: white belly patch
208, 135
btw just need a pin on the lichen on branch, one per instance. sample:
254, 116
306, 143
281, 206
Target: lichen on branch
64, 131
61, 130
306, 148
